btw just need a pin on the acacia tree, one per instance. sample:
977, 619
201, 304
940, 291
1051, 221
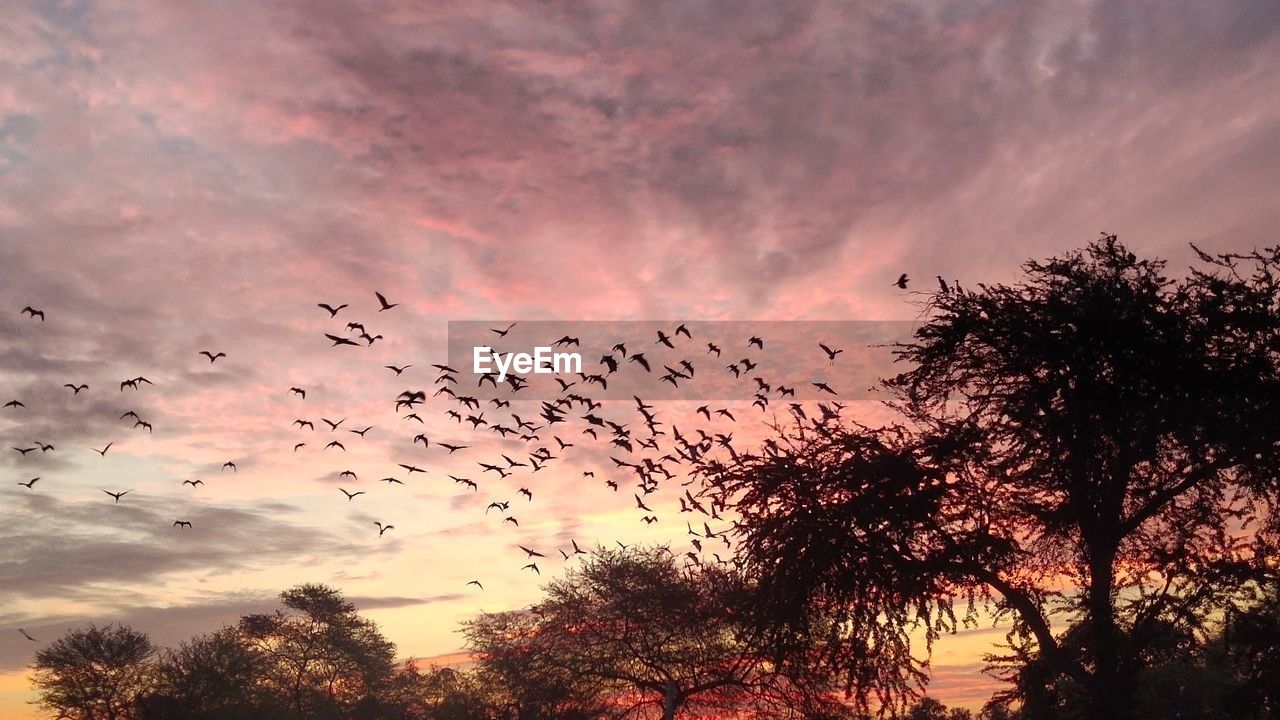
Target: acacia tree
319, 658
1079, 448
94, 673
211, 677
633, 629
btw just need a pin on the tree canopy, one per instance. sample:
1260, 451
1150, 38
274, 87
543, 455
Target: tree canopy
1092, 446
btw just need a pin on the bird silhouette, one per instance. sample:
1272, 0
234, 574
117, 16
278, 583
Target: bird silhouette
26, 635
212, 357
831, 354
103, 451
32, 313
229, 464
75, 389
298, 391
352, 495
117, 495
15, 404
499, 333
333, 311
193, 483
397, 370
182, 524
341, 340
383, 302
382, 529
30, 483
902, 281
476, 583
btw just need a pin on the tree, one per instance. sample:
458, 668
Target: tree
650, 637
1080, 446
528, 682
94, 673
928, 708
1251, 644
212, 677
320, 658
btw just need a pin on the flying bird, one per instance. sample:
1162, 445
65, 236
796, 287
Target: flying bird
26, 635
382, 529
76, 388
352, 495
753, 340
212, 357
15, 404
28, 484
341, 341
117, 495
476, 583
902, 281
499, 333
103, 451
831, 354
182, 524
298, 391
229, 464
32, 312
397, 370
333, 311
193, 483
383, 302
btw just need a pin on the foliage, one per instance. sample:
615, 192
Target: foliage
1096, 426
94, 673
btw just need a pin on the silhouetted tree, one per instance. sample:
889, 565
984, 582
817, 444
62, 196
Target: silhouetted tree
651, 638
320, 658
94, 673
212, 677
1251, 643
1096, 427
928, 708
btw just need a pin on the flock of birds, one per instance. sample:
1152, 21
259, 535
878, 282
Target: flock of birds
644, 451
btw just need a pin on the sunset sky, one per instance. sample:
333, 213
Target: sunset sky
176, 177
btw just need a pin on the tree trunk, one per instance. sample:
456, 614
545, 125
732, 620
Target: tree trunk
1108, 693
670, 701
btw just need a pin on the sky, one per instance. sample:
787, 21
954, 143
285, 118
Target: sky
176, 177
